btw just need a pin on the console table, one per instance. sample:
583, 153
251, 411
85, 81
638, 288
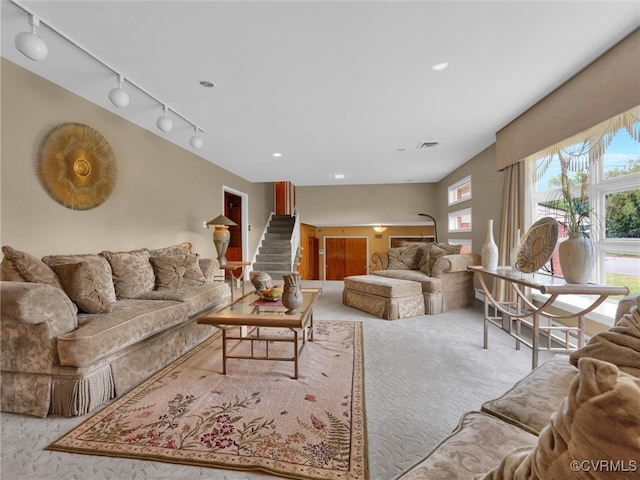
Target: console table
524, 312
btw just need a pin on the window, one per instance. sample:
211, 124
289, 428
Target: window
600, 166
460, 191
460, 221
466, 244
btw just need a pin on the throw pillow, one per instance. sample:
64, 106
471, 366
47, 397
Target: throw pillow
132, 272
599, 421
102, 275
79, 281
175, 271
619, 345
406, 257
432, 255
183, 248
450, 248
20, 266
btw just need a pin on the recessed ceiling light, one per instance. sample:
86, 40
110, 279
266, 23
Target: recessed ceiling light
438, 67
277, 154
339, 176
207, 84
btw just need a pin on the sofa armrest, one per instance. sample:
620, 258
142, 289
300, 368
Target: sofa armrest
380, 261
210, 268
455, 263
33, 316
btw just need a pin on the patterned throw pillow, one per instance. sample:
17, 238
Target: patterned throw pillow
20, 266
406, 257
132, 272
101, 269
431, 256
175, 271
79, 281
183, 248
450, 248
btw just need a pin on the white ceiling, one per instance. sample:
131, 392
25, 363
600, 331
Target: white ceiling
335, 86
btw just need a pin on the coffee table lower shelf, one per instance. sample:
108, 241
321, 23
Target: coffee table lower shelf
233, 338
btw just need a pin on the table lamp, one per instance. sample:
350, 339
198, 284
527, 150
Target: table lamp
221, 236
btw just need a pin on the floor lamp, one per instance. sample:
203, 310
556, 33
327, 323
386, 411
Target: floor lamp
435, 228
221, 236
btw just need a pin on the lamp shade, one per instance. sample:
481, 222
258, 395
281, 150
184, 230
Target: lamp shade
164, 123
221, 220
196, 141
119, 97
32, 46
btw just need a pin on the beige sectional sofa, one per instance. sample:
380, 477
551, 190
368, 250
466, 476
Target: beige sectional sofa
440, 269
78, 330
573, 417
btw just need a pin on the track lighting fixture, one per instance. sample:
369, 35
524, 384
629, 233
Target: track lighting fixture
30, 44
118, 96
164, 123
196, 141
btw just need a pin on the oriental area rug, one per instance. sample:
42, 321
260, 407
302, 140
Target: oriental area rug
255, 418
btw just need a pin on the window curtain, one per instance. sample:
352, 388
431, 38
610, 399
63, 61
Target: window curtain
511, 219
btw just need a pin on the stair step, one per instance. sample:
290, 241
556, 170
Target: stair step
271, 250
269, 267
273, 258
278, 236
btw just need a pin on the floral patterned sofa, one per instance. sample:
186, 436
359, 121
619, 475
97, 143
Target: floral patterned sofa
78, 330
573, 417
440, 269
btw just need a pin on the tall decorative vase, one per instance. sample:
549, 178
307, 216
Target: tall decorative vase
292, 294
577, 257
490, 250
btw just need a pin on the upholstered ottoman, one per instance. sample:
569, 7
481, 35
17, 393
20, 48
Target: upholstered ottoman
384, 297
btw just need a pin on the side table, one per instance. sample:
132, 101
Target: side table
524, 312
236, 270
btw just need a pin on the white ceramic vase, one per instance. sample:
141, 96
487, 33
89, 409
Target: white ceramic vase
577, 257
490, 250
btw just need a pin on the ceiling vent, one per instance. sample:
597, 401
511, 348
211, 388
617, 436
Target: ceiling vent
423, 145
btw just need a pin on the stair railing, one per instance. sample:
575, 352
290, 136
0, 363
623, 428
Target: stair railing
295, 240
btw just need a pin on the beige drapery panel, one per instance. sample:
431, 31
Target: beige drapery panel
511, 219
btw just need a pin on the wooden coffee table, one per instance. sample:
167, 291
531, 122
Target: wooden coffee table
242, 321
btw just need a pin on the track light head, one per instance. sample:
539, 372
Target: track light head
30, 44
195, 141
118, 96
164, 123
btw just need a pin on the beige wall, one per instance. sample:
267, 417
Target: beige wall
486, 193
365, 204
162, 194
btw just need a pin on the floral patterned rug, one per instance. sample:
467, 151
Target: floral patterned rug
254, 418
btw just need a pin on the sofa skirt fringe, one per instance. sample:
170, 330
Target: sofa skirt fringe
78, 396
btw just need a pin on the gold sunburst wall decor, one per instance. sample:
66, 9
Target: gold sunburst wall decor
76, 166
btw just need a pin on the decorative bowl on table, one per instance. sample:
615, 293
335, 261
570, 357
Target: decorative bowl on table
273, 294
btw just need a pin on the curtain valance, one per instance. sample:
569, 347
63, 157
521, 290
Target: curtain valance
604, 89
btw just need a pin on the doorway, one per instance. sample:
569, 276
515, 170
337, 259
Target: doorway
235, 209
345, 256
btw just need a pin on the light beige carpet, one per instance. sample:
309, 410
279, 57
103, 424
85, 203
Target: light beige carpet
255, 418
